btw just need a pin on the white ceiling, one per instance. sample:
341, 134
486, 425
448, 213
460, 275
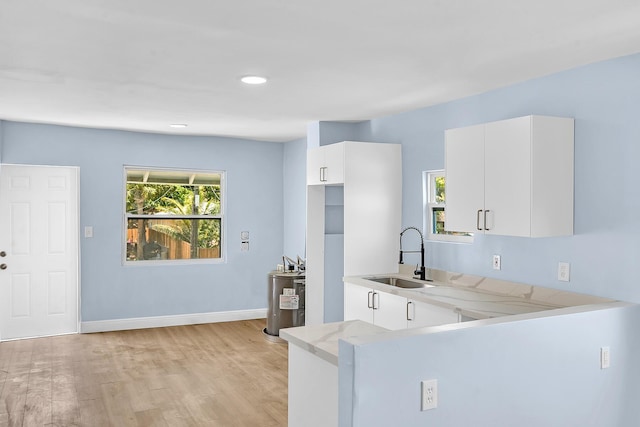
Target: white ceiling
143, 64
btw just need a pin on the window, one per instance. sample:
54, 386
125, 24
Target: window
434, 209
173, 215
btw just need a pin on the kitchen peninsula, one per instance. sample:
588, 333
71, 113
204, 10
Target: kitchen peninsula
329, 362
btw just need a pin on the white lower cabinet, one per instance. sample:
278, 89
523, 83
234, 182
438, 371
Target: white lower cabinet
422, 314
391, 311
358, 303
370, 305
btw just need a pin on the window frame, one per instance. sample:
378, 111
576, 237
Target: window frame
126, 216
429, 205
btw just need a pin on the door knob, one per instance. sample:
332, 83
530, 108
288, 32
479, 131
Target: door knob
3, 266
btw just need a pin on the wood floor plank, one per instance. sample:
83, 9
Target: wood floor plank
223, 374
93, 413
65, 413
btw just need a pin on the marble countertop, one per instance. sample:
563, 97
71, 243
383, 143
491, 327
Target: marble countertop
481, 298
472, 296
322, 340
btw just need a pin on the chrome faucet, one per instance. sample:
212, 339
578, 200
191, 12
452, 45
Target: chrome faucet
420, 272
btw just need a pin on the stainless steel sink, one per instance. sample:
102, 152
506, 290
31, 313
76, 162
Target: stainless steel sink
400, 283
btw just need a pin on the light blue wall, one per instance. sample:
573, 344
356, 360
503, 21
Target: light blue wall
295, 193
530, 373
254, 202
325, 133
603, 99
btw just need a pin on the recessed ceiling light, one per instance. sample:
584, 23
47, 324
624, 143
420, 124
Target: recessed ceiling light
253, 80
178, 125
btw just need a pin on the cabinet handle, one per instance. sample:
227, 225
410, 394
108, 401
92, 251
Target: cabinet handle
478, 220
370, 299
409, 316
376, 304
323, 174
485, 219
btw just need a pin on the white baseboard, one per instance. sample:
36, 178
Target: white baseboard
176, 320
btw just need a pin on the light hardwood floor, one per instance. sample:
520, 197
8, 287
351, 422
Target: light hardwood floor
222, 374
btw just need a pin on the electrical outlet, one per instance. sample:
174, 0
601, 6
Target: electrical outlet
496, 262
605, 358
429, 394
564, 271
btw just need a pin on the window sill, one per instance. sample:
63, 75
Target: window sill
449, 238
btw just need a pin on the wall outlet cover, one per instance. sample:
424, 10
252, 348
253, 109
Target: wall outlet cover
496, 262
564, 271
605, 358
429, 394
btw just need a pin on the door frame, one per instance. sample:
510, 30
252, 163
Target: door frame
76, 171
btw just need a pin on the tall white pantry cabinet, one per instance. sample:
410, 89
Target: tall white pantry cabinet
511, 177
354, 203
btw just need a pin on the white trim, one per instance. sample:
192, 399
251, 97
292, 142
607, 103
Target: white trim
221, 216
176, 320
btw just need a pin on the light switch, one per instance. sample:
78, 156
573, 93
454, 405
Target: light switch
88, 231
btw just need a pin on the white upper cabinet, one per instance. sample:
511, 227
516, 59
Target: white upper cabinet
511, 177
325, 165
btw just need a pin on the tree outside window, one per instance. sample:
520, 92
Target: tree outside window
173, 215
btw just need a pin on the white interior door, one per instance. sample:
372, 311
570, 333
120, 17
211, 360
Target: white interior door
39, 236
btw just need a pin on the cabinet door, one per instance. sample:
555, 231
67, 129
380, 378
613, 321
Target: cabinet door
357, 303
315, 162
333, 163
507, 191
325, 165
465, 169
423, 314
390, 311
